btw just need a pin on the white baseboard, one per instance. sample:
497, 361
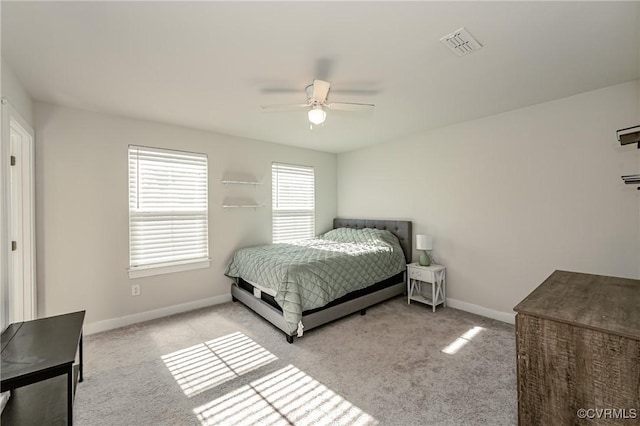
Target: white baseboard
110, 324
507, 317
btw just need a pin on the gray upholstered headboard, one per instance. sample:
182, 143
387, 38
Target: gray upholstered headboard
399, 228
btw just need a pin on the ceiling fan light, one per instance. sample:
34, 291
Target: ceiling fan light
317, 115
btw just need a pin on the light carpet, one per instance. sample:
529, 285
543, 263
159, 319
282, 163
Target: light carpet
397, 365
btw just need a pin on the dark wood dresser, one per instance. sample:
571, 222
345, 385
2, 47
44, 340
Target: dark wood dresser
578, 347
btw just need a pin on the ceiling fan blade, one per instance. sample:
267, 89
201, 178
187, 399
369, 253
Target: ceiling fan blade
323, 68
361, 92
283, 108
320, 90
347, 106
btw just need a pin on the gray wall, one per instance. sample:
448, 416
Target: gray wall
82, 210
511, 197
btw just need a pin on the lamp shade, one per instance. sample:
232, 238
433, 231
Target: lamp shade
317, 115
424, 242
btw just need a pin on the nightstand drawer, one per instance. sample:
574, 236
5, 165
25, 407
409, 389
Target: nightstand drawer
420, 274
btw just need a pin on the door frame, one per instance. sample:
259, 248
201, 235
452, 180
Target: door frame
26, 308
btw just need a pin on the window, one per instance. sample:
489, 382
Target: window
167, 211
293, 193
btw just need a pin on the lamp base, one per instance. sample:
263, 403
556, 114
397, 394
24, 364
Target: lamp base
425, 260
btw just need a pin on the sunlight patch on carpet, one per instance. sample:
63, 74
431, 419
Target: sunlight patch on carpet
287, 396
207, 365
457, 344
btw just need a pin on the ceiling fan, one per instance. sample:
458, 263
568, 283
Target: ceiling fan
317, 104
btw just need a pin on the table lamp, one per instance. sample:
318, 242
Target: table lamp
424, 242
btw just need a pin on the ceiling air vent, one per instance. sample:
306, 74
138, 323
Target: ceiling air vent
461, 42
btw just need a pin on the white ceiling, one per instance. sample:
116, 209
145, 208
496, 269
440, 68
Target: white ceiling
210, 65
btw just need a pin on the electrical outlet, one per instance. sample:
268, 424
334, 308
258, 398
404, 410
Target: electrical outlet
135, 290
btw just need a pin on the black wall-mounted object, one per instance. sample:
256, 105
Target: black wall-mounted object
629, 135
632, 180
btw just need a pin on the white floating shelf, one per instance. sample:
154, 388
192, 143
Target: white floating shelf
241, 206
240, 182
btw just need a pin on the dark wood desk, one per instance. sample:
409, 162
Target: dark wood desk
38, 351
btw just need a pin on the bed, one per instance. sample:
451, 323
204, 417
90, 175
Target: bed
301, 286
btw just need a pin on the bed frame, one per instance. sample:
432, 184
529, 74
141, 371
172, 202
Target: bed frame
318, 317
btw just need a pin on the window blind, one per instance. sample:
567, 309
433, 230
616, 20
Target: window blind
167, 207
293, 202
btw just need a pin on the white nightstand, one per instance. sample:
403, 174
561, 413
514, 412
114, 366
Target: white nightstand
418, 275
